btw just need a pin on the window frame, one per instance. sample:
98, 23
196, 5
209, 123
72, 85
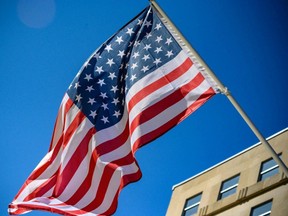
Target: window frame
222, 191
186, 208
260, 205
270, 169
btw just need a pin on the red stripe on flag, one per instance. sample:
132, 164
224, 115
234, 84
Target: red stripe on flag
168, 101
36, 173
43, 188
28, 207
73, 127
125, 180
115, 143
167, 79
176, 120
84, 187
73, 164
128, 159
101, 192
67, 106
133, 177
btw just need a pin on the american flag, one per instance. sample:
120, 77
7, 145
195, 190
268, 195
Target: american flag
139, 84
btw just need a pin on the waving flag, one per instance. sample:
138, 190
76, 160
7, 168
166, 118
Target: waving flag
139, 84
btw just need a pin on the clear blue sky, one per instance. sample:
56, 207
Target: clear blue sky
42, 47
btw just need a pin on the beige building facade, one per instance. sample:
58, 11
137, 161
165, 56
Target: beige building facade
249, 183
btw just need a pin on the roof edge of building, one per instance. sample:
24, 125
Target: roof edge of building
228, 159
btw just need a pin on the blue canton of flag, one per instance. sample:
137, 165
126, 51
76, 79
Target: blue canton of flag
139, 84
137, 49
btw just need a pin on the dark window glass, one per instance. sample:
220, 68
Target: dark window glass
191, 205
191, 211
228, 193
229, 187
268, 168
263, 209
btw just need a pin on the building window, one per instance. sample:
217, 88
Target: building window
263, 209
228, 187
268, 169
191, 205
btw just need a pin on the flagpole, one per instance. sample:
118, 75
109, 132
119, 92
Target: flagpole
224, 90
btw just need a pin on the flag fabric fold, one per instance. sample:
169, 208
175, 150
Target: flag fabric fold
135, 87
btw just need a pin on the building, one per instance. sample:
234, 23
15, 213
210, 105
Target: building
246, 184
